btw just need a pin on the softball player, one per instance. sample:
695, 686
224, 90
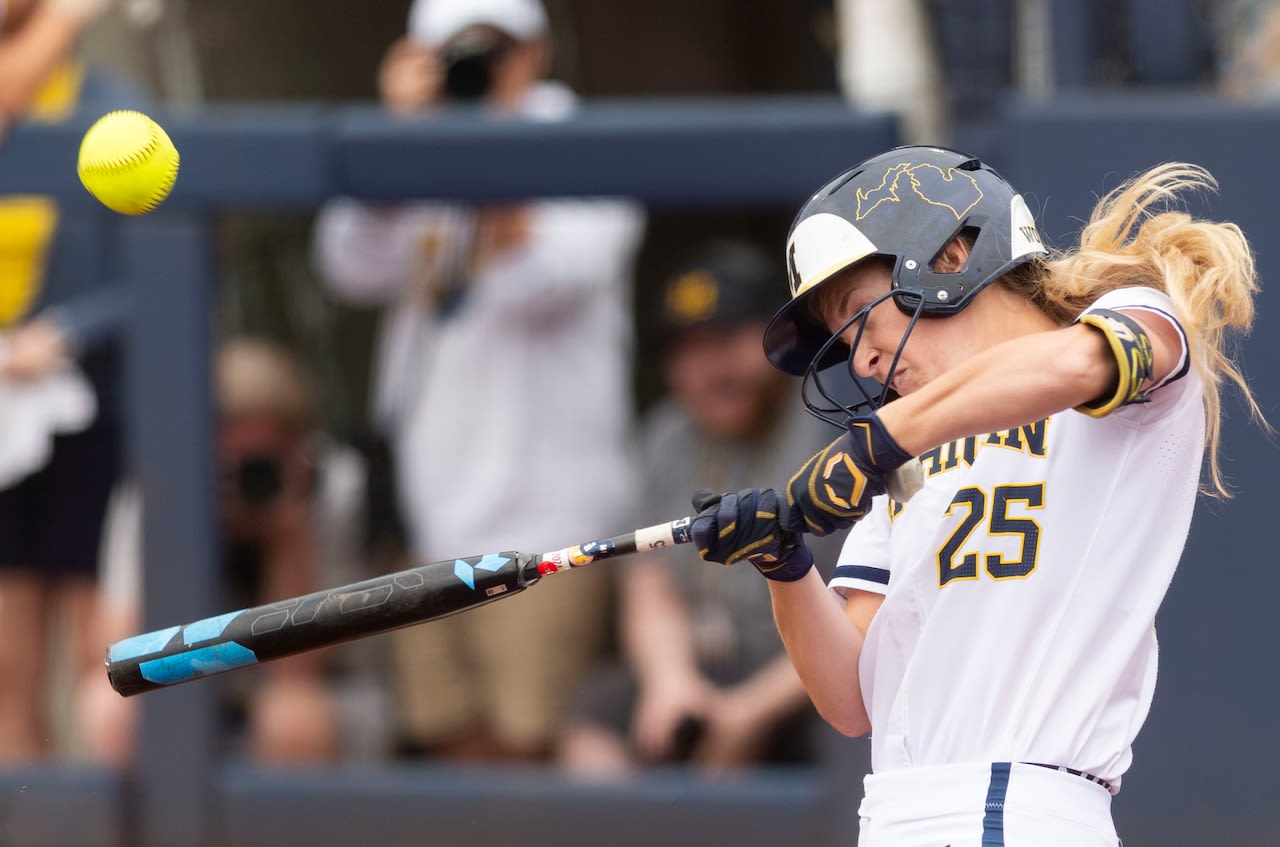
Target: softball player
996, 632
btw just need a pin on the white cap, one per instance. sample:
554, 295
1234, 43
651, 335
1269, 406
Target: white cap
257, 377
433, 22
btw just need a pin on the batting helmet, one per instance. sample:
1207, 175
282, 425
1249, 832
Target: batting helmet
905, 205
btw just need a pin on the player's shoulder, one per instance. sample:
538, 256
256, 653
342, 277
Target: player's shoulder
1151, 301
1135, 297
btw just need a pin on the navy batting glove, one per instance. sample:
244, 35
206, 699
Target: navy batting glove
834, 488
733, 527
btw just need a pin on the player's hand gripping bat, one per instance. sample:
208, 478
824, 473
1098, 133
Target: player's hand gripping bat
417, 595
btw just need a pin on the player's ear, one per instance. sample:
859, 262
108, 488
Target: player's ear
952, 258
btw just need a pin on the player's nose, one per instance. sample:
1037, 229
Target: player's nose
866, 361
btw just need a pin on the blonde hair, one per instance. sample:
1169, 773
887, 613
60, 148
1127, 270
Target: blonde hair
1138, 235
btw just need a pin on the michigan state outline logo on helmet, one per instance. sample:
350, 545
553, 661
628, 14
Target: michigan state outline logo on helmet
905, 205
948, 188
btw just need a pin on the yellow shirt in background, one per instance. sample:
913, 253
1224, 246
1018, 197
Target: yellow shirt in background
27, 222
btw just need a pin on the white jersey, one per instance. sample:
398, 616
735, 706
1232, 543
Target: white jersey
1021, 584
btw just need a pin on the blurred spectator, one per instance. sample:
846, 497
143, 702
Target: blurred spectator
36, 39
60, 310
889, 63
705, 677
290, 504
1249, 48
502, 385
950, 70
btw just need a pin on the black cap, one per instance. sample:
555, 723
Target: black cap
723, 283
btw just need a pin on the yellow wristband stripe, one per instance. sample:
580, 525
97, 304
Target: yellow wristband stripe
769, 570
1131, 348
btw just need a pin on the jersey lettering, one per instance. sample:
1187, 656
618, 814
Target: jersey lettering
1028, 439
975, 501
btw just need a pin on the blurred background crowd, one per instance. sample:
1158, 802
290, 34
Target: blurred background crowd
341, 335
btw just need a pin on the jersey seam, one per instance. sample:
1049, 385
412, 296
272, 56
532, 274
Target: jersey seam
1137, 416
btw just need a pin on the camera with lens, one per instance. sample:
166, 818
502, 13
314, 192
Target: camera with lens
469, 61
258, 480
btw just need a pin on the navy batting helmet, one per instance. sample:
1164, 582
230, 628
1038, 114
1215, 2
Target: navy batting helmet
905, 205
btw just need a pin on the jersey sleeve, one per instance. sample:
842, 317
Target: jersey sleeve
864, 559
1152, 301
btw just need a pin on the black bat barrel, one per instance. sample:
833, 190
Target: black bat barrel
237, 639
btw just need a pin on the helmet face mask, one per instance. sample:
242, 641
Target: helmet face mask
841, 393
906, 206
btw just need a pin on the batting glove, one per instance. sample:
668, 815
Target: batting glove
834, 488
732, 527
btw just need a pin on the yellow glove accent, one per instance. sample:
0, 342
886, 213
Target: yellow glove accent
817, 474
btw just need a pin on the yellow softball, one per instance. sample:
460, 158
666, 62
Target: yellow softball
127, 162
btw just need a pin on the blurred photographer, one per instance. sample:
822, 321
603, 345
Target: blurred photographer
291, 507
266, 453
491, 310
702, 677
491, 51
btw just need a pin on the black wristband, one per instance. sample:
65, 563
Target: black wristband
1131, 347
880, 450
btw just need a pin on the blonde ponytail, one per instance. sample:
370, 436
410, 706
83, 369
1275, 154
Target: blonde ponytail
1139, 236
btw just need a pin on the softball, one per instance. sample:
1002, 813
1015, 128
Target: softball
127, 162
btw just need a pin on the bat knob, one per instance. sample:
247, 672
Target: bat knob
903, 483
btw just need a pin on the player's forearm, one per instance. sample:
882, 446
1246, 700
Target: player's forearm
1018, 382
30, 55
824, 647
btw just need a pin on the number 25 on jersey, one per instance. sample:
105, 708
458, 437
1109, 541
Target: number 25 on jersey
958, 557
